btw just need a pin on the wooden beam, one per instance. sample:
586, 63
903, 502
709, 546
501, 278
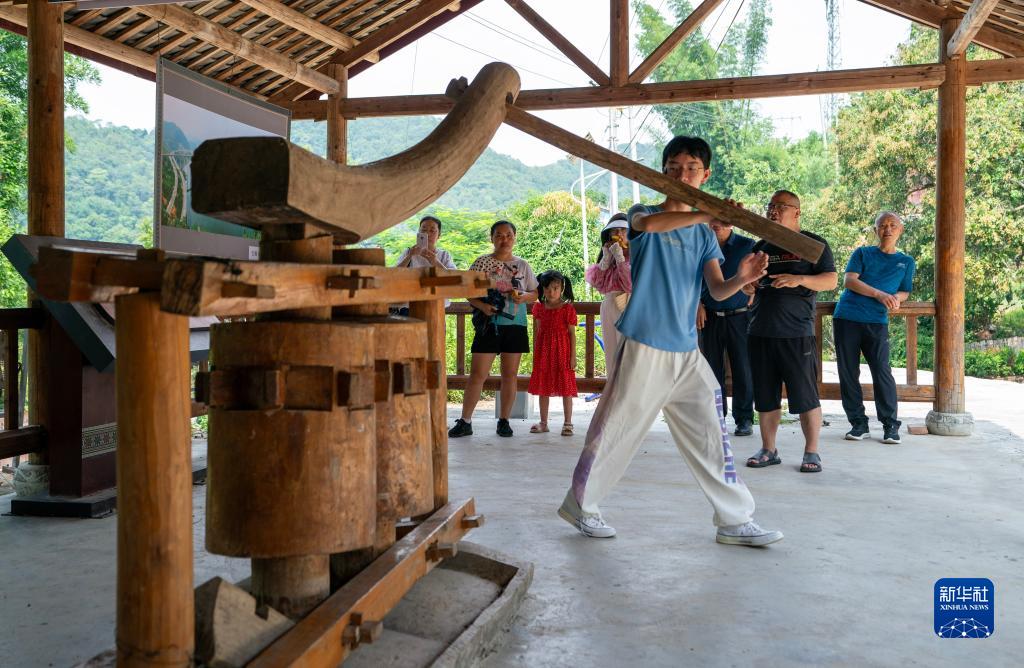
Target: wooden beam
930, 14
377, 40
24, 441
618, 52
329, 633
45, 24
774, 85
971, 23
222, 38
781, 236
682, 31
559, 41
994, 70
91, 42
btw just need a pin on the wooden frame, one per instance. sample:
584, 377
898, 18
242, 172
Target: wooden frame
930, 14
675, 38
972, 22
559, 41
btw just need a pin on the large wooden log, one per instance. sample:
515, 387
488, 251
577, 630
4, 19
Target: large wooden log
282, 401
783, 237
154, 486
949, 232
261, 182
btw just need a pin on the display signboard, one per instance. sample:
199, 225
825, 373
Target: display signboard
190, 109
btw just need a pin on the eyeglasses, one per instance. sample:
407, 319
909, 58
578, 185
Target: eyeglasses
772, 205
676, 169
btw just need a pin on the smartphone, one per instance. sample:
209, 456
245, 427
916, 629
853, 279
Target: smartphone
421, 239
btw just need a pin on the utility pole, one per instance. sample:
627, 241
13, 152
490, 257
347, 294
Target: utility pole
632, 153
613, 140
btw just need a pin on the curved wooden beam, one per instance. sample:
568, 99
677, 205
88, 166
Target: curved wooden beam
260, 181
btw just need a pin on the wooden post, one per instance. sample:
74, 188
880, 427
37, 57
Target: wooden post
337, 126
154, 486
433, 313
949, 416
45, 173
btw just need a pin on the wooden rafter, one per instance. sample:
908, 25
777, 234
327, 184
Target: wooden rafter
18, 15
775, 85
222, 38
559, 41
330, 18
618, 41
972, 22
929, 14
154, 37
682, 31
423, 12
302, 23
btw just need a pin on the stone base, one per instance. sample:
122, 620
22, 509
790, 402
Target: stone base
950, 424
32, 479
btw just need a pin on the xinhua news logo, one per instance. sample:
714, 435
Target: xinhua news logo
965, 608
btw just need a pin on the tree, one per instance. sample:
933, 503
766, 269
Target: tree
14, 141
886, 151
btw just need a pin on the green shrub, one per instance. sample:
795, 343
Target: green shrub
989, 363
1009, 324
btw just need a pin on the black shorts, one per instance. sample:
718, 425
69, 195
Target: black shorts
793, 362
501, 339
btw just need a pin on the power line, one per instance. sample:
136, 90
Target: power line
487, 55
496, 26
521, 41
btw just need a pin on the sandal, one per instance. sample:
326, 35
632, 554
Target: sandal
567, 429
763, 458
539, 428
811, 463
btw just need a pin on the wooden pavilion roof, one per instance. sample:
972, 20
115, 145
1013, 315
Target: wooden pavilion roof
281, 49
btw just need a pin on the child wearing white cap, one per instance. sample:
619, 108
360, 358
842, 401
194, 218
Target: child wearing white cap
610, 276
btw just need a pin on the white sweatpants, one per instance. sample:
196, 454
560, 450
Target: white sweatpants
684, 388
610, 313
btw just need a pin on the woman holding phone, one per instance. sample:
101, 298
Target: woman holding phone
425, 254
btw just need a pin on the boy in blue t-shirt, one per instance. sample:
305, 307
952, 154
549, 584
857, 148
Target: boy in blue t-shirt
878, 279
660, 367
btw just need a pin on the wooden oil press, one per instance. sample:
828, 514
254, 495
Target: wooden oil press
327, 435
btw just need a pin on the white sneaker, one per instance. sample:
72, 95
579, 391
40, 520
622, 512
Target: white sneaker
591, 526
747, 534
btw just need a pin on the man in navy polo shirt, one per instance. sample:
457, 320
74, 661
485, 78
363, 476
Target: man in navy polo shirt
723, 330
878, 279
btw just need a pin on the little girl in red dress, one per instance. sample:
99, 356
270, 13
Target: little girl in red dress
554, 348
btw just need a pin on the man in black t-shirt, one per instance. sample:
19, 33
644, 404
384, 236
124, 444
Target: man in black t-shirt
781, 342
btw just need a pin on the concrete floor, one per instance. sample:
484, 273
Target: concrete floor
851, 585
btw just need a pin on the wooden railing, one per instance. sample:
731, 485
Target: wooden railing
15, 439
589, 382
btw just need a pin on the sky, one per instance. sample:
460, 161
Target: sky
493, 31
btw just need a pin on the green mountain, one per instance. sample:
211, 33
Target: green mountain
109, 173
